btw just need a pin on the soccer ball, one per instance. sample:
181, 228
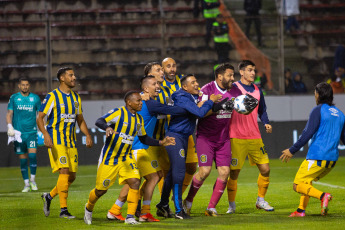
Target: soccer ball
239, 104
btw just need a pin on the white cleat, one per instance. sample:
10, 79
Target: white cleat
232, 208
33, 186
264, 205
26, 189
131, 220
87, 216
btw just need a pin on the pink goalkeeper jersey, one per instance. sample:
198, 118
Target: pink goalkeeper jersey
246, 126
216, 126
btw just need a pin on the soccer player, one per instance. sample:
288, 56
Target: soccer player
326, 126
181, 127
21, 116
63, 109
212, 139
121, 126
173, 81
246, 139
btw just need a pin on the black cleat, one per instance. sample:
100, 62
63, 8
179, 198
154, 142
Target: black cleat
164, 211
65, 214
182, 215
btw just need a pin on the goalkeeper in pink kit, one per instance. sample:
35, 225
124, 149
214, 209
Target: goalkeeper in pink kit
212, 137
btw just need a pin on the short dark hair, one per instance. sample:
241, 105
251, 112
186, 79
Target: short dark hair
144, 80
325, 92
148, 67
129, 94
184, 78
62, 71
23, 79
221, 69
243, 64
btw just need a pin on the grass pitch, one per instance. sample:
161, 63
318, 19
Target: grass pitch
24, 210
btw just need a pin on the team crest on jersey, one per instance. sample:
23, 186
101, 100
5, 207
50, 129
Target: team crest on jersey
31, 99
234, 162
200, 93
138, 126
154, 164
63, 160
203, 158
182, 153
106, 183
76, 104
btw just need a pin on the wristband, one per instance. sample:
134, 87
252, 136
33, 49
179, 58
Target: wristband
9, 126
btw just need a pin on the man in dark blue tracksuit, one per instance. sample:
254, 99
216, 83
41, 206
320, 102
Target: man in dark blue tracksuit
181, 127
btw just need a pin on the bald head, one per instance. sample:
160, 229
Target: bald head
169, 68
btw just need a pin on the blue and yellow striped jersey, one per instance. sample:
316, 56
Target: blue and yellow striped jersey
176, 85
164, 97
62, 110
126, 126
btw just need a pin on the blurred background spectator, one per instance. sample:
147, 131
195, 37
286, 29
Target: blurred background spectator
288, 81
252, 8
298, 84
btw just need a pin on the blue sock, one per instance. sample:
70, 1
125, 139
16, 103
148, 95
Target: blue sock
129, 216
24, 168
33, 163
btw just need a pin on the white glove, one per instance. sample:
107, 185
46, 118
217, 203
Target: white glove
10, 130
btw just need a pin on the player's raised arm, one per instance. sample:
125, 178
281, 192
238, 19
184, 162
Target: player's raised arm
83, 127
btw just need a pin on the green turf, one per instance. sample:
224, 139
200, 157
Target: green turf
20, 210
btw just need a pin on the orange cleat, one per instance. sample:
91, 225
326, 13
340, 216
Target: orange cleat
147, 218
297, 214
111, 216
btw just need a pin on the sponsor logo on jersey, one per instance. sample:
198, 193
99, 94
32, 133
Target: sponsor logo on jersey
106, 183
63, 160
203, 158
182, 153
25, 107
68, 117
234, 162
127, 139
154, 164
334, 112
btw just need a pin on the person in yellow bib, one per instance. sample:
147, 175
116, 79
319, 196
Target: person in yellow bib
63, 109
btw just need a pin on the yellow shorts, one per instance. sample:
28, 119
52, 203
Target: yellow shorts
159, 153
63, 157
106, 174
253, 148
147, 163
192, 157
313, 170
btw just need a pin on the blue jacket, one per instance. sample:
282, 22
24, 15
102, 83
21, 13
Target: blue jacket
185, 124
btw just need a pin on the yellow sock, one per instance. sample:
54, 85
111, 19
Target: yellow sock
115, 209
146, 209
54, 192
132, 200
92, 200
62, 188
263, 183
308, 190
160, 185
187, 179
303, 202
232, 189
141, 190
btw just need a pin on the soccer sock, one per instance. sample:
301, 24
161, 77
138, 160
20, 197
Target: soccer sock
92, 200
217, 193
263, 183
160, 185
33, 164
146, 207
194, 188
132, 200
303, 202
187, 179
141, 189
116, 208
53, 192
24, 170
308, 190
232, 189
62, 187
32, 178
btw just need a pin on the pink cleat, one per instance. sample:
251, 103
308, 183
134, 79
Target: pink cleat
324, 203
297, 214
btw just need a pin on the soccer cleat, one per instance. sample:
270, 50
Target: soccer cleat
182, 215
111, 216
26, 189
164, 211
187, 206
65, 214
131, 220
87, 216
264, 205
232, 208
148, 218
46, 204
297, 214
33, 186
211, 212
324, 203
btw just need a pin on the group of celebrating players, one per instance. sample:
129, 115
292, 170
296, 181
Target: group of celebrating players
151, 137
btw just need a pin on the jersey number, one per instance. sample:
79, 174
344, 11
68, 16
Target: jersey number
133, 165
76, 158
263, 150
32, 144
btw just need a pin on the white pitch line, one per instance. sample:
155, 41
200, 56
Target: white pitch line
329, 185
20, 179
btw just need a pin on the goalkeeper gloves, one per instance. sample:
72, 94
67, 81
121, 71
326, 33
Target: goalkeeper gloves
229, 105
10, 130
219, 106
250, 102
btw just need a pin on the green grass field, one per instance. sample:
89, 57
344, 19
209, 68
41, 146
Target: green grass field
24, 211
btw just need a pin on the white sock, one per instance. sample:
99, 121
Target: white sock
119, 203
32, 178
188, 204
26, 182
261, 199
232, 204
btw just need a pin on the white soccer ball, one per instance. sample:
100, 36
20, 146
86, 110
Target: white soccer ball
239, 104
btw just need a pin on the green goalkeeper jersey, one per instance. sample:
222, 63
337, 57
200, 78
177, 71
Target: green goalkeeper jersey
24, 112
